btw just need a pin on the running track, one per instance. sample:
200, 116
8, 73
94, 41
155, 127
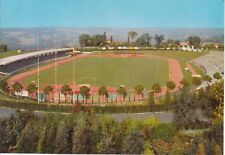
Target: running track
175, 71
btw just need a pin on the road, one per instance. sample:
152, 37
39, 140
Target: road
163, 117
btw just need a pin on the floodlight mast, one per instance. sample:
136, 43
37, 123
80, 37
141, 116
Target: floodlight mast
73, 77
38, 69
55, 70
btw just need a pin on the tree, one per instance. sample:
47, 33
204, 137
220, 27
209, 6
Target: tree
218, 115
66, 90
217, 92
48, 134
161, 146
217, 150
11, 127
3, 48
196, 81
132, 35
32, 88
143, 40
201, 149
171, 43
156, 88
84, 40
164, 131
216, 133
122, 91
133, 143
17, 87
170, 85
28, 139
128, 39
105, 37
103, 91
168, 98
177, 146
151, 99
111, 39
211, 100
47, 90
64, 140
139, 89
158, 39
98, 40
111, 136
217, 76
194, 41
84, 138
177, 43
207, 78
184, 109
4, 141
85, 92
4, 86
184, 82
193, 147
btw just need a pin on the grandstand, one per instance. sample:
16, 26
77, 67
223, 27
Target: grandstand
12, 64
212, 62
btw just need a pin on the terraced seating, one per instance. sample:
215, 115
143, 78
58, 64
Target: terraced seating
212, 62
24, 63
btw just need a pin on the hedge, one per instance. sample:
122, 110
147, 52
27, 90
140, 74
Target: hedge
79, 107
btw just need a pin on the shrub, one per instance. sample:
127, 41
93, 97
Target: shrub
164, 131
29, 105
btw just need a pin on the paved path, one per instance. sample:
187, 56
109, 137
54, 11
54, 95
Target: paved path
163, 117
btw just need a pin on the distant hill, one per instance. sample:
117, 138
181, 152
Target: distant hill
26, 38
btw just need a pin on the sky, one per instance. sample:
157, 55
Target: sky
112, 13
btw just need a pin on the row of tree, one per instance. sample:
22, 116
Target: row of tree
145, 39
3, 48
85, 91
85, 133
95, 40
32, 89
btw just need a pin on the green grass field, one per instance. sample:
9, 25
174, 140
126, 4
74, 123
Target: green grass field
108, 72
198, 69
118, 71
183, 58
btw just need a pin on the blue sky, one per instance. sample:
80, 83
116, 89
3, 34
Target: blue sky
112, 13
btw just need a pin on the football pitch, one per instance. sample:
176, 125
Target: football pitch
102, 70
106, 71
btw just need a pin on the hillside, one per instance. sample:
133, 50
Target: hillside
26, 38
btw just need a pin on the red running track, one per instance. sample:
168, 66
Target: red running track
175, 72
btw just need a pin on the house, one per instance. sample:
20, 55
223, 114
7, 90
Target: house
184, 46
111, 48
23, 93
19, 51
196, 76
103, 48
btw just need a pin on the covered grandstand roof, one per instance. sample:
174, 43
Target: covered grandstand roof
11, 59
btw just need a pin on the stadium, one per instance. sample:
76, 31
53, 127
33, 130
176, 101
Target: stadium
111, 69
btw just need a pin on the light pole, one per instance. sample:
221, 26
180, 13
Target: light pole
56, 72
38, 40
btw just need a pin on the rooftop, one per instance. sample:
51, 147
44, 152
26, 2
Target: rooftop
11, 59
